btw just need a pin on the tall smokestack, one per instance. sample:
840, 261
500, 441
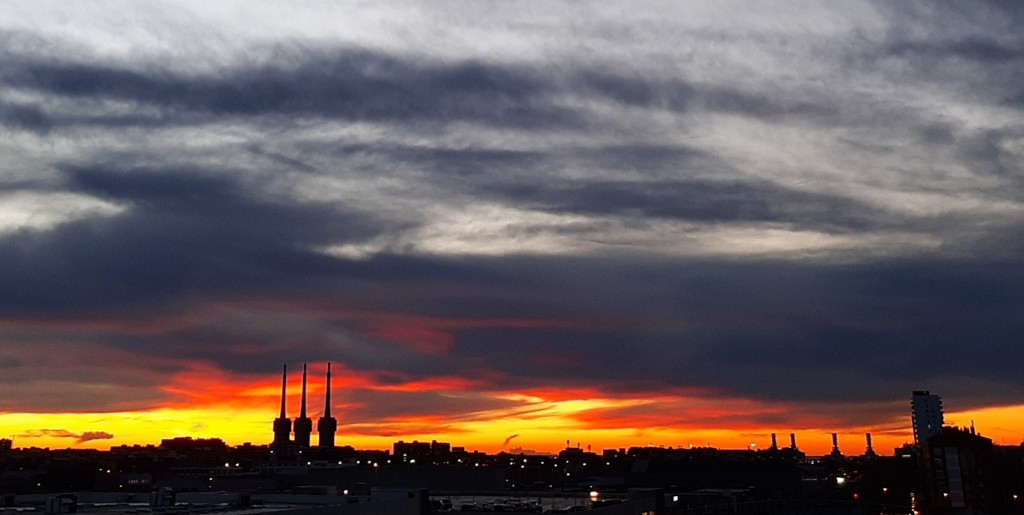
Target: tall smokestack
282, 424
775, 443
835, 446
327, 395
792, 441
302, 412
303, 424
284, 390
869, 451
327, 426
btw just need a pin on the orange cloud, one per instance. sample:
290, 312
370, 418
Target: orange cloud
205, 400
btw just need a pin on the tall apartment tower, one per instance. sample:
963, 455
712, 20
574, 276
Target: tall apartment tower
283, 424
303, 424
926, 415
327, 425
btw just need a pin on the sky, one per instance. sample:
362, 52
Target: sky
511, 224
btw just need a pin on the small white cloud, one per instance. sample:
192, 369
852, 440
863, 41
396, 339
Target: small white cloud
28, 210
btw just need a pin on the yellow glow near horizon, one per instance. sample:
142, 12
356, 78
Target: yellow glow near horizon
544, 429
1003, 424
134, 427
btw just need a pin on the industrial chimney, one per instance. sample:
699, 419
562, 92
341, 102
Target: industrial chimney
327, 426
282, 424
836, 453
303, 424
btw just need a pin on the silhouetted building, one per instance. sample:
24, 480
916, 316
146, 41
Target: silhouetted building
926, 415
440, 452
327, 426
774, 452
959, 470
283, 424
189, 444
907, 450
411, 451
303, 424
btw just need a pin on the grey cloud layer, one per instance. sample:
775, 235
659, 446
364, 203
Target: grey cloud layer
182, 230
230, 184
351, 84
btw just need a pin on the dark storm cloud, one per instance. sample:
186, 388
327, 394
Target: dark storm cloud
679, 95
251, 340
702, 201
181, 231
488, 172
346, 84
767, 330
973, 48
760, 106
675, 95
764, 330
352, 84
993, 69
1017, 100
28, 185
975, 59
446, 166
679, 186
988, 152
288, 162
64, 363
29, 117
222, 240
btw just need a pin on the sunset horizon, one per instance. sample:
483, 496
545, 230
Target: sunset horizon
535, 425
511, 225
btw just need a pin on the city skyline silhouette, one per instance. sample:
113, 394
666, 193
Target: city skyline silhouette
284, 433
622, 224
